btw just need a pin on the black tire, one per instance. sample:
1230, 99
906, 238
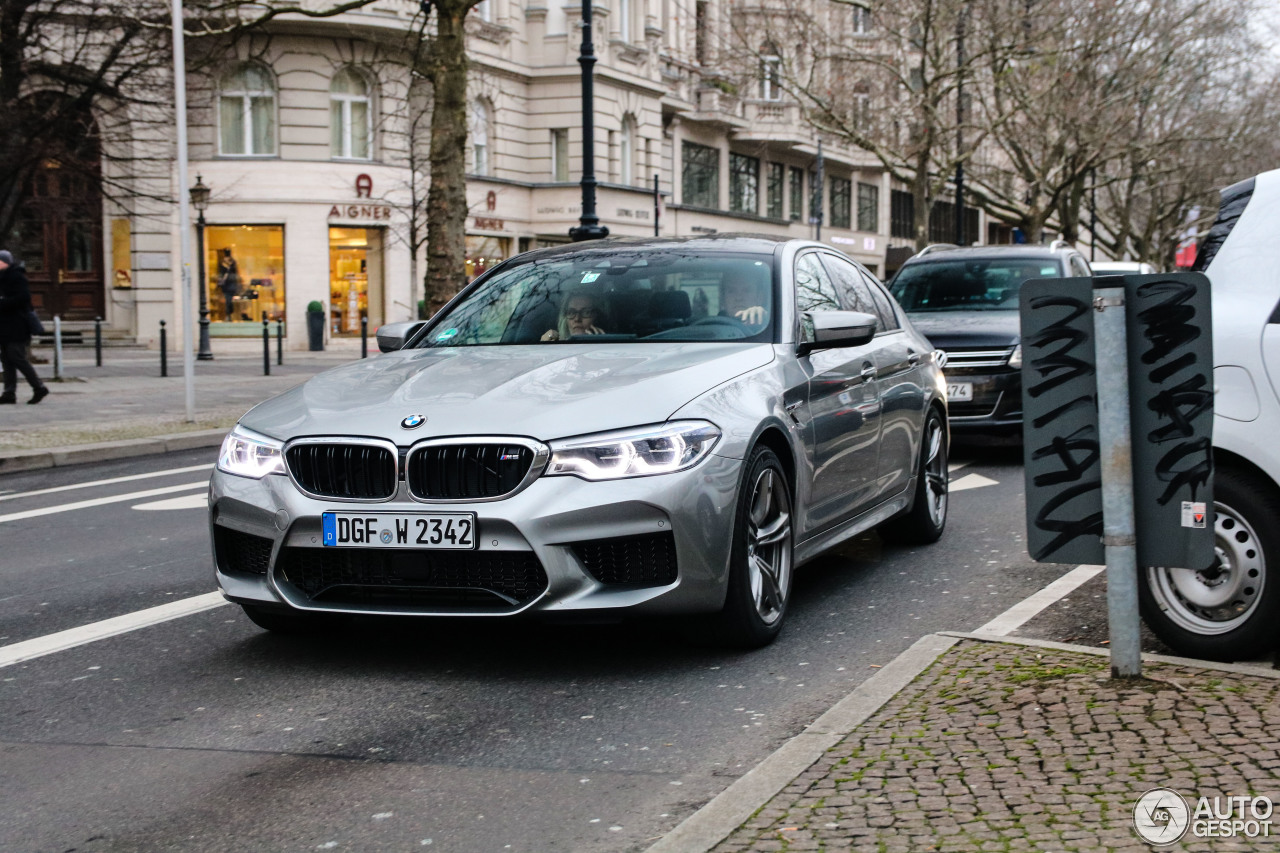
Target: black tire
279, 620
924, 522
1231, 611
760, 562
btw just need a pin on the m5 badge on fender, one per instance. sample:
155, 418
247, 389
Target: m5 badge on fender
413, 421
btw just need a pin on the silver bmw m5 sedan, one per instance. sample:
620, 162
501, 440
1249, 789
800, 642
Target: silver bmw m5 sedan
625, 427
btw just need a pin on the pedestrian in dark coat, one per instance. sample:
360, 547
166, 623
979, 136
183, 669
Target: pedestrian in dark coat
15, 331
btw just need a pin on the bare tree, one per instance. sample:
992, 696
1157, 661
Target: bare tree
891, 77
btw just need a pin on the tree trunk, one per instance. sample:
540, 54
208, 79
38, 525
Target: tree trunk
921, 198
447, 196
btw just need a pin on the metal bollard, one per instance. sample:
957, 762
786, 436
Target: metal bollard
164, 351
97, 340
364, 337
266, 348
57, 348
279, 341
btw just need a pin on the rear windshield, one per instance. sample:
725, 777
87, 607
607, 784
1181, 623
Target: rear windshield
968, 284
615, 297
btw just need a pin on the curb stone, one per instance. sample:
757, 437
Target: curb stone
57, 457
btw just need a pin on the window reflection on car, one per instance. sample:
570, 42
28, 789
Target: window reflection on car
968, 285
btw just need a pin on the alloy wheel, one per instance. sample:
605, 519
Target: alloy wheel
769, 545
935, 472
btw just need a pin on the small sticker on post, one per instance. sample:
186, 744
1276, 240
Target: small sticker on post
1194, 514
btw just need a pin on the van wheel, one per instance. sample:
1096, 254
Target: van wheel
760, 563
1230, 610
924, 522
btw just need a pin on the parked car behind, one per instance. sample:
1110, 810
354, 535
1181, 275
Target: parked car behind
617, 427
1121, 268
965, 300
1232, 610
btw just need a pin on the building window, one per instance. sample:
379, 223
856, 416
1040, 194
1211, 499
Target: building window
247, 112
770, 74
744, 183
624, 20
700, 36
797, 193
627, 150
902, 221
479, 138
861, 24
700, 177
868, 207
350, 121
773, 190
245, 269
560, 154
841, 202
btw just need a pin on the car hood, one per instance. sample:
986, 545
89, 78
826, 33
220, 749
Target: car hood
968, 329
540, 391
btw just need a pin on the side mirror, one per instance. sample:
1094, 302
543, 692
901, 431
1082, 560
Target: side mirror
834, 329
392, 336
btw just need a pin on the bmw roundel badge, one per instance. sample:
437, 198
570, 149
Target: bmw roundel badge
413, 421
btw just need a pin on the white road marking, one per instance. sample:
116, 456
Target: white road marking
197, 501
1022, 612
69, 639
956, 466
971, 481
131, 496
92, 483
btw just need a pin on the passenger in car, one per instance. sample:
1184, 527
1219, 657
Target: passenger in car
581, 313
744, 300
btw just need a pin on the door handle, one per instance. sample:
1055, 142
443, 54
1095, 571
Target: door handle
913, 357
868, 372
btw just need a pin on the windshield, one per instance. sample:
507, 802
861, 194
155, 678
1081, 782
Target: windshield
615, 297
968, 285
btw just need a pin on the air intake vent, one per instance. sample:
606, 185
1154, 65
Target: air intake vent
440, 581
351, 471
241, 553
467, 471
645, 560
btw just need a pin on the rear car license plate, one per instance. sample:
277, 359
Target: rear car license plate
959, 391
453, 531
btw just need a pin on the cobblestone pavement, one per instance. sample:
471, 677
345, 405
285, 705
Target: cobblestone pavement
1004, 747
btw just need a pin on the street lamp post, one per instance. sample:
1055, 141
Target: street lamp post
200, 200
589, 227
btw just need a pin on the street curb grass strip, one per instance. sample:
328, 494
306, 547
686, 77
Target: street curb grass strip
715, 821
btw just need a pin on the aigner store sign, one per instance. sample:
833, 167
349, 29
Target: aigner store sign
364, 189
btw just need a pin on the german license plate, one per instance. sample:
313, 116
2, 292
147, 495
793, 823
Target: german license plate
959, 391
453, 531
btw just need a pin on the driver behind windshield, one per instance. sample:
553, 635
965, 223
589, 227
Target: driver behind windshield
581, 313
744, 299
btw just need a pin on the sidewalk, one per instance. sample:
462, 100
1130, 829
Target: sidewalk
975, 744
126, 408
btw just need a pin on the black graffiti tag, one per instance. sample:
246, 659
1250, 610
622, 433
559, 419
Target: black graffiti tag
1169, 330
1067, 460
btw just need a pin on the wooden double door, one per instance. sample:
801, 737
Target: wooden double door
59, 238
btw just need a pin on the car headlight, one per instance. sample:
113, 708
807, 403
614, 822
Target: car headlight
638, 452
247, 454
1015, 358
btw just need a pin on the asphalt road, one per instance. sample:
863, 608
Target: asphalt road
205, 733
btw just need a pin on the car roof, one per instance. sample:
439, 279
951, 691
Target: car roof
948, 253
748, 243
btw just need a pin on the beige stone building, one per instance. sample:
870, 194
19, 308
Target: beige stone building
312, 140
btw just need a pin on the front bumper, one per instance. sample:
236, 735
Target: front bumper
996, 407
267, 548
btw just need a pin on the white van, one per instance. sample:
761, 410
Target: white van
1232, 611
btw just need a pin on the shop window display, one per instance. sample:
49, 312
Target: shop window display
245, 265
485, 252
